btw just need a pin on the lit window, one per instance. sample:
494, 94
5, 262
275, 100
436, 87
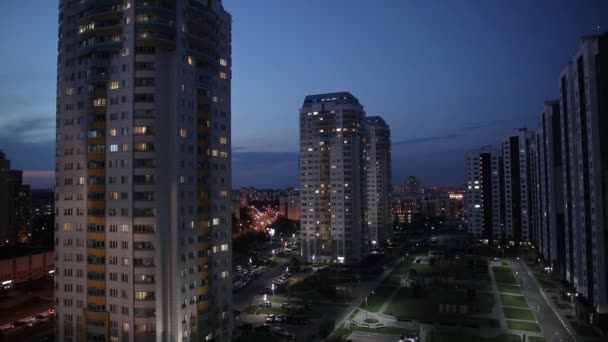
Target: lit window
67, 226
69, 91
99, 102
223, 75
114, 148
223, 140
223, 62
216, 221
141, 130
114, 85
190, 60
113, 132
183, 133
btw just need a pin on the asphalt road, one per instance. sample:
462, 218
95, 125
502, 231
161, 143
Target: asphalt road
247, 295
550, 324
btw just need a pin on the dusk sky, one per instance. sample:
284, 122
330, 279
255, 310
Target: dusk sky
447, 76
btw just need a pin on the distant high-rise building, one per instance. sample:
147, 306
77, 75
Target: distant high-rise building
584, 101
483, 195
331, 165
412, 186
143, 224
550, 202
518, 192
289, 204
15, 204
378, 180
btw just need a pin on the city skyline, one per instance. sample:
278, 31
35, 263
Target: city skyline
427, 139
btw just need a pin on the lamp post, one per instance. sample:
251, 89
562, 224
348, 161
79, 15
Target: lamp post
272, 288
366, 304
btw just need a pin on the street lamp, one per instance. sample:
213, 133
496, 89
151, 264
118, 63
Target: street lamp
366, 304
272, 288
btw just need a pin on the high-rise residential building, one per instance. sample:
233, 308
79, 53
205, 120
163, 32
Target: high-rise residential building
15, 204
377, 180
331, 177
584, 101
483, 195
143, 218
518, 193
549, 192
413, 187
289, 204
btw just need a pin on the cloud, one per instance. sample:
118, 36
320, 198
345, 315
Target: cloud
28, 130
427, 139
39, 178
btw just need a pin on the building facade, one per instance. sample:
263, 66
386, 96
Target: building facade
518, 194
289, 204
483, 195
15, 205
550, 201
377, 180
331, 177
142, 212
584, 103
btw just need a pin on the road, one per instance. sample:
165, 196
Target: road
247, 295
549, 322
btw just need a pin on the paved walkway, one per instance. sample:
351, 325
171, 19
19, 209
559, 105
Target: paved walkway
552, 324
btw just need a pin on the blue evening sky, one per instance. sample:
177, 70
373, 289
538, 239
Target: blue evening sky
447, 76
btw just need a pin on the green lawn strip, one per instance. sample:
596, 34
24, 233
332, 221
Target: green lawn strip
504, 275
506, 288
547, 284
504, 262
426, 306
377, 299
339, 335
563, 306
451, 337
510, 300
536, 339
514, 313
526, 326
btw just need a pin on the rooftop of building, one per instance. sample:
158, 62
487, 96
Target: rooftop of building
339, 97
375, 120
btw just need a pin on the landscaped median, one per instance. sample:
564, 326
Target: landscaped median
515, 306
451, 337
377, 299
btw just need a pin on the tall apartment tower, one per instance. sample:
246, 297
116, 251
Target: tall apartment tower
378, 180
584, 100
331, 177
143, 219
483, 196
517, 175
15, 204
550, 199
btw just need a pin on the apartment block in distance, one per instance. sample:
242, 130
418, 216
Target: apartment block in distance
518, 186
15, 204
584, 101
550, 202
143, 219
331, 173
377, 180
483, 194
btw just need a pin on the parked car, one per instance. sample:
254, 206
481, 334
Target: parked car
270, 318
279, 319
280, 331
266, 304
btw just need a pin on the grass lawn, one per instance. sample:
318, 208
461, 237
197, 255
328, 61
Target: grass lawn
563, 306
385, 330
527, 326
504, 262
504, 275
377, 299
536, 339
509, 300
426, 306
446, 337
506, 288
514, 313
